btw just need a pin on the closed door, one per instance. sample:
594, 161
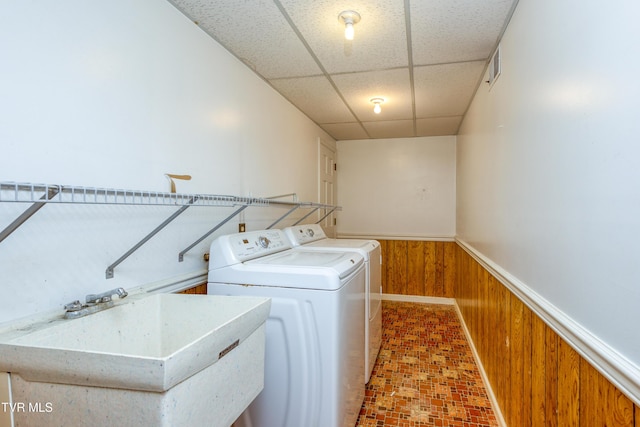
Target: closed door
327, 184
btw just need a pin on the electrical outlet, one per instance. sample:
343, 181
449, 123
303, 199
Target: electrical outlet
242, 227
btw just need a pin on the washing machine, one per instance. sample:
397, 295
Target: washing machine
313, 237
314, 352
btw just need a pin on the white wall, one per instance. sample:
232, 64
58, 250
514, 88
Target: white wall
116, 94
548, 176
402, 188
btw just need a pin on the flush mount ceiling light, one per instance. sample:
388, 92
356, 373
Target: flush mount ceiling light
349, 18
376, 104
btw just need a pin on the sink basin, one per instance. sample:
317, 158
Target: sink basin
148, 343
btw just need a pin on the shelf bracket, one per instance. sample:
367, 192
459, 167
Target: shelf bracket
306, 216
220, 224
283, 216
326, 215
31, 210
109, 271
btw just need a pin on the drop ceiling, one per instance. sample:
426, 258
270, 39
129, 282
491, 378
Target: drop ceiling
424, 57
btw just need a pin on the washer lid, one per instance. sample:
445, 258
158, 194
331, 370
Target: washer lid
340, 263
296, 269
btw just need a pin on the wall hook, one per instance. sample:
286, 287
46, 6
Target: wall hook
171, 177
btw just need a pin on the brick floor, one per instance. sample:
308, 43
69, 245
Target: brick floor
425, 374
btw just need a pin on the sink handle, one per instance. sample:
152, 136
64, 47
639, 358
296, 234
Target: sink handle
73, 306
106, 296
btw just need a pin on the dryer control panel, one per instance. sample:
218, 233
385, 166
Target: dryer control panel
303, 234
234, 248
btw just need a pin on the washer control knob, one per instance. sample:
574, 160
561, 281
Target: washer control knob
264, 242
310, 232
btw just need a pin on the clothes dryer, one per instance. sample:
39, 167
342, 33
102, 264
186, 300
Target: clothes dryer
314, 334
312, 237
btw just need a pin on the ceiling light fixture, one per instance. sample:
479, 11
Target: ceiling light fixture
349, 18
376, 104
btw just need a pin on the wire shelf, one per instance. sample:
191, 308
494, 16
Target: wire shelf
38, 195
47, 193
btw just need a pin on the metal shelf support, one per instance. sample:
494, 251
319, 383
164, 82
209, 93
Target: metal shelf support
109, 272
283, 216
220, 224
306, 216
326, 215
51, 192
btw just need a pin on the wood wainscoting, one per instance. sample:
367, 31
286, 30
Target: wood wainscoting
198, 290
538, 379
414, 267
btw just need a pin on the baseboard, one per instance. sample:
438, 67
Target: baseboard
395, 237
418, 299
619, 370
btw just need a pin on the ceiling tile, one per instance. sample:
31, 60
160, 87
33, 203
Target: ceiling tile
390, 129
445, 90
438, 126
315, 97
345, 131
256, 32
456, 30
380, 37
298, 46
392, 85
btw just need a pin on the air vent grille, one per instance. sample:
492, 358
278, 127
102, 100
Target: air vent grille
495, 67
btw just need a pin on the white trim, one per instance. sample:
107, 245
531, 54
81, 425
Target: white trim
622, 372
396, 237
485, 379
418, 299
177, 284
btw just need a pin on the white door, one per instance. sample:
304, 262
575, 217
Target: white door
327, 184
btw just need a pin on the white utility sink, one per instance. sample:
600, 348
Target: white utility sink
150, 360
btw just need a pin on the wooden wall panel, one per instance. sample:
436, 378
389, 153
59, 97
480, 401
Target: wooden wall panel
449, 266
429, 267
551, 377
399, 263
568, 385
538, 378
538, 360
415, 268
199, 290
421, 268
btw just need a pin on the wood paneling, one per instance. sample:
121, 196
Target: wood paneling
568, 385
538, 378
199, 290
422, 268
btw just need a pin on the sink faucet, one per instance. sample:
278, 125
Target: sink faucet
95, 303
106, 296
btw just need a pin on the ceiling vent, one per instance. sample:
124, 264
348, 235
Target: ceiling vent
495, 67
